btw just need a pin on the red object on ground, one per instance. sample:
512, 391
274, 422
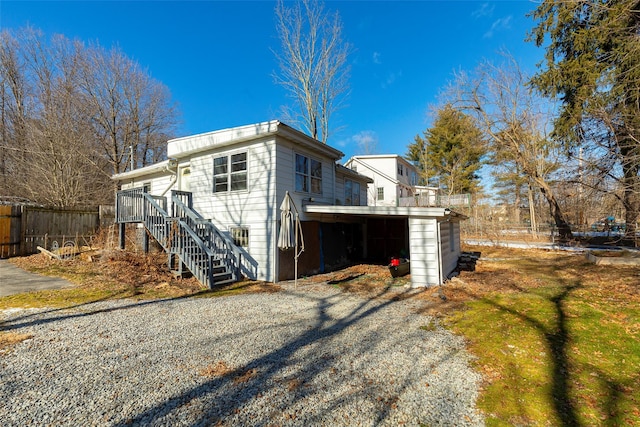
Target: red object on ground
395, 262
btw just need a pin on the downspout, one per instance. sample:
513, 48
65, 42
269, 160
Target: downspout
173, 163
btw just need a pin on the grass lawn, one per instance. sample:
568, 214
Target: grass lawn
557, 339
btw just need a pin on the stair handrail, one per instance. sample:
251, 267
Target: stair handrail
163, 234
137, 205
211, 234
155, 219
195, 242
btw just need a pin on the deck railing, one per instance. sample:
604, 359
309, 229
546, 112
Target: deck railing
184, 197
432, 200
130, 204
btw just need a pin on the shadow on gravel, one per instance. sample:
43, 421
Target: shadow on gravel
254, 378
22, 321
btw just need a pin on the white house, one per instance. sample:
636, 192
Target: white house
237, 178
395, 181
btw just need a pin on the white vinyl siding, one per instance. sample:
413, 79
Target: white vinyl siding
251, 208
450, 241
157, 184
423, 247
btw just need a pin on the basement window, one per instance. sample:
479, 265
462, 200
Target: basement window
240, 236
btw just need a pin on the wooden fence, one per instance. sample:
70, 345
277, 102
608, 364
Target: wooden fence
24, 228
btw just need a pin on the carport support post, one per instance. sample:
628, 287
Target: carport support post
121, 238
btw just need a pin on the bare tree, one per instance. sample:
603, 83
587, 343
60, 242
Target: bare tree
313, 64
16, 105
516, 124
127, 108
45, 132
69, 115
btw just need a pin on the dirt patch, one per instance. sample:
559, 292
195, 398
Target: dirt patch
366, 280
8, 339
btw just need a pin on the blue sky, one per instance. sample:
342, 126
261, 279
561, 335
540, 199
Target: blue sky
216, 56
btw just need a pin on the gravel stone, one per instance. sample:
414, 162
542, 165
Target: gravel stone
312, 356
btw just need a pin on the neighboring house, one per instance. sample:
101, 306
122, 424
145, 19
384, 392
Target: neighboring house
237, 178
395, 181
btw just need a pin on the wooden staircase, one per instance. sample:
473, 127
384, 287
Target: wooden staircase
191, 242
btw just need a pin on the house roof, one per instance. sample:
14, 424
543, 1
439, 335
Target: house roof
145, 171
359, 159
379, 156
188, 145
386, 211
351, 172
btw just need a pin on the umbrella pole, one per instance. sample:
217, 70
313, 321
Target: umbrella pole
295, 267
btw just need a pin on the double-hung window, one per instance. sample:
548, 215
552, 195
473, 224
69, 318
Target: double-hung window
230, 173
308, 175
351, 193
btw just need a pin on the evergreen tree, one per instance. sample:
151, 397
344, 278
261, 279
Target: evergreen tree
593, 68
451, 150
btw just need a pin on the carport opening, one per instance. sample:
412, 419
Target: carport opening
386, 238
330, 246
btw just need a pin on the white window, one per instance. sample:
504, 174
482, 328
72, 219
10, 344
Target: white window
240, 236
400, 170
380, 193
230, 173
308, 175
351, 193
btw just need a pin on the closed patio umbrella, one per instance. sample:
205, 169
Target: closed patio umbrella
290, 232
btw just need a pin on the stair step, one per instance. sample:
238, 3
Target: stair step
222, 273
223, 282
191, 254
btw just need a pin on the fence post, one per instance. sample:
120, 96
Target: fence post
23, 230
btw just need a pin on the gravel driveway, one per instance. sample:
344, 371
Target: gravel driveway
311, 356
